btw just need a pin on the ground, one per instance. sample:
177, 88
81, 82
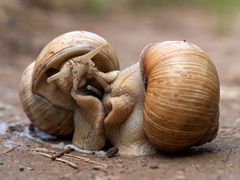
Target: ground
23, 36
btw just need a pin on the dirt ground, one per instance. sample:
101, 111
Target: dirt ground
24, 34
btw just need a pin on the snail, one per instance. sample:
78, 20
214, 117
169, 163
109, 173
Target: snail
52, 105
167, 101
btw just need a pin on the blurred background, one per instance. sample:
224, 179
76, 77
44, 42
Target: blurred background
26, 26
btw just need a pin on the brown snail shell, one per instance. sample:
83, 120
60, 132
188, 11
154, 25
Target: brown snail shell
49, 108
181, 106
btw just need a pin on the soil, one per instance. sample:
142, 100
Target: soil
23, 35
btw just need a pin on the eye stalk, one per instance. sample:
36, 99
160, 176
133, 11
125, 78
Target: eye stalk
77, 63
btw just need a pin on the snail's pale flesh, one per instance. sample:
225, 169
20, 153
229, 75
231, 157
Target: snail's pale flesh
193, 121
124, 120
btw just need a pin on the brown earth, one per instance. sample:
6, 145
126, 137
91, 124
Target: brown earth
24, 34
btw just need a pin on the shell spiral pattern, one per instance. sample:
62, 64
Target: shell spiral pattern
181, 106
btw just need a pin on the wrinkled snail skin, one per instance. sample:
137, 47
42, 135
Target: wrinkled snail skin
169, 101
57, 110
124, 122
88, 123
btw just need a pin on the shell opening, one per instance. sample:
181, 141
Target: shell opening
143, 64
51, 71
145, 82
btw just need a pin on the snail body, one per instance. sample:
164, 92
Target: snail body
124, 120
54, 107
168, 101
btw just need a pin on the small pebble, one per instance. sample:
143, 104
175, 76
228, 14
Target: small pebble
122, 171
64, 178
21, 169
153, 167
112, 152
96, 168
30, 168
180, 175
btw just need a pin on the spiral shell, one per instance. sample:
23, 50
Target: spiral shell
181, 106
49, 108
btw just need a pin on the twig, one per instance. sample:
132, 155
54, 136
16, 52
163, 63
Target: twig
226, 159
10, 150
87, 160
43, 150
59, 159
72, 156
61, 153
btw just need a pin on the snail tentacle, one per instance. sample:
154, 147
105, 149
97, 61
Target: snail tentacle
109, 77
78, 69
95, 90
102, 82
121, 108
104, 79
77, 63
65, 72
88, 56
77, 74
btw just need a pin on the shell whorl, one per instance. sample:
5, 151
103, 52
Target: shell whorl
181, 103
41, 111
